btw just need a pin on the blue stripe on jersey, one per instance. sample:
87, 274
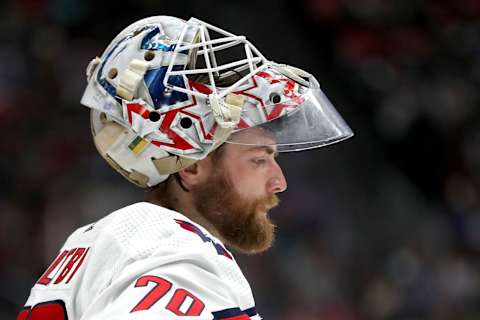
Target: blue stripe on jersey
234, 312
193, 228
227, 313
251, 311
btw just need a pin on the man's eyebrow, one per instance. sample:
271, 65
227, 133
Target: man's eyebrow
267, 149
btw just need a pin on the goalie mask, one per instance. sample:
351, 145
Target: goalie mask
166, 92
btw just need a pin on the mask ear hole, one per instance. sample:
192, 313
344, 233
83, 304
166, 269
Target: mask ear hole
186, 123
112, 73
149, 56
275, 97
154, 116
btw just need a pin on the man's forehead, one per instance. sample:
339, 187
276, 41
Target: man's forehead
254, 136
272, 149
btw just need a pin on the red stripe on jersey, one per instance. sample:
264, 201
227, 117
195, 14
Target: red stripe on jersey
240, 317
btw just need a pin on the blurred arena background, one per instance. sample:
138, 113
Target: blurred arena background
384, 226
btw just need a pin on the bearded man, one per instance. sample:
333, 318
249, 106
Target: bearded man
172, 114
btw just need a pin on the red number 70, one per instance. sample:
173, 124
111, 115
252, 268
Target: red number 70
194, 307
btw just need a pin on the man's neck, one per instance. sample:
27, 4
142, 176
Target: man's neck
173, 197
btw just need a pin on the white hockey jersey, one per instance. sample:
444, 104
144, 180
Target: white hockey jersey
141, 262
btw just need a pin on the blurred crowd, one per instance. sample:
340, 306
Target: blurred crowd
383, 226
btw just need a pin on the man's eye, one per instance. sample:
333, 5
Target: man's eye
259, 161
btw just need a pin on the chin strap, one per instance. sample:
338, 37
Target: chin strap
104, 140
172, 164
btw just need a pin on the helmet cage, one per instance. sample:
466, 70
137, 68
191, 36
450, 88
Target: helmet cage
209, 48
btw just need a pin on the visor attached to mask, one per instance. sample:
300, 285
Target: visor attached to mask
304, 122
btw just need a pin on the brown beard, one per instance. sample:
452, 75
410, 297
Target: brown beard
242, 223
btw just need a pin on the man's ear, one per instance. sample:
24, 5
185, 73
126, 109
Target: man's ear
196, 173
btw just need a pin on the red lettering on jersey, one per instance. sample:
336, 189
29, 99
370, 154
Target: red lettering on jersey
194, 309
69, 254
78, 265
162, 286
44, 279
66, 263
75, 254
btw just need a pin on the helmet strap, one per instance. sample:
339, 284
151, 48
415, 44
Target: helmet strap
130, 79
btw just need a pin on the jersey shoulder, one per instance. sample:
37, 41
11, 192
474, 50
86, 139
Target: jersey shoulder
144, 229
147, 232
154, 236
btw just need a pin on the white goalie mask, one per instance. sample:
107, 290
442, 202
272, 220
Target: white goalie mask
166, 92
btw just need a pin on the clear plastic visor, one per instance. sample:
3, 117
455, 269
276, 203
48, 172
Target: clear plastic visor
306, 122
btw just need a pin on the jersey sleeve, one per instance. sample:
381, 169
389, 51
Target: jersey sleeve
186, 290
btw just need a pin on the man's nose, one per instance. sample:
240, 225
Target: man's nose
277, 182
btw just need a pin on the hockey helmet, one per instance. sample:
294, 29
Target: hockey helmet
166, 92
